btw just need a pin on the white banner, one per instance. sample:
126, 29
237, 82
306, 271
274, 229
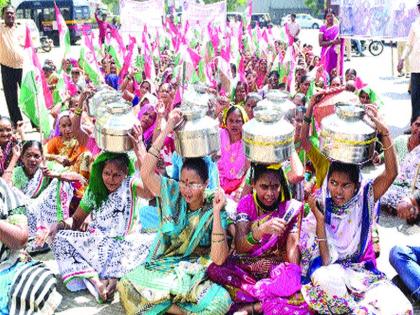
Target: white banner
385, 19
135, 14
203, 14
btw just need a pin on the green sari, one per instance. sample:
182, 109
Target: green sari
175, 271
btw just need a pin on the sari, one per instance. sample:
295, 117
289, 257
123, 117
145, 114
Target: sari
7, 156
48, 200
175, 270
148, 133
20, 276
350, 283
407, 181
112, 244
232, 163
332, 56
262, 275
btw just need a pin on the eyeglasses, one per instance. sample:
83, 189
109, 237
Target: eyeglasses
184, 185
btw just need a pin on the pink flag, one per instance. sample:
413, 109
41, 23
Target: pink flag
359, 83
116, 35
70, 86
249, 13
127, 59
35, 60
194, 57
241, 70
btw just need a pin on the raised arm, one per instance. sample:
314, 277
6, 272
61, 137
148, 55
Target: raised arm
150, 179
387, 177
219, 250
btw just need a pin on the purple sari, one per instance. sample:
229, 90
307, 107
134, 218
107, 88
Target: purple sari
259, 275
331, 55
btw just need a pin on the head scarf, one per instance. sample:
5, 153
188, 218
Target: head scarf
57, 122
229, 110
96, 184
148, 133
374, 99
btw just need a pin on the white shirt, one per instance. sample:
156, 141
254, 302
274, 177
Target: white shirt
412, 49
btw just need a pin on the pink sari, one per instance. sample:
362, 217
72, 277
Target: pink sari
332, 56
232, 163
261, 275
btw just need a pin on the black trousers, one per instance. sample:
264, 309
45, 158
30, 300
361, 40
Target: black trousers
11, 78
415, 95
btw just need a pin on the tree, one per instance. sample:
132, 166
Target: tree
316, 6
231, 4
3, 3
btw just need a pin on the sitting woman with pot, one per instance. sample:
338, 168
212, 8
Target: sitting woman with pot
263, 275
336, 240
94, 255
192, 234
233, 164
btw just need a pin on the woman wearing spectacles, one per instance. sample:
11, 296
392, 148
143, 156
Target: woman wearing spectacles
192, 235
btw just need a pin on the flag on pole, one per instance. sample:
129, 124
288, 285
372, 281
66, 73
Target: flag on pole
32, 96
63, 31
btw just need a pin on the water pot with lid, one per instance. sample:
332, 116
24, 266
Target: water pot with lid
112, 128
268, 137
346, 137
197, 135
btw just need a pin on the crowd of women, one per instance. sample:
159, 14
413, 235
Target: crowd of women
206, 235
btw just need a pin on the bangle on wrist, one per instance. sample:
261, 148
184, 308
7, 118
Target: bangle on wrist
152, 154
387, 148
78, 111
250, 239
321, 239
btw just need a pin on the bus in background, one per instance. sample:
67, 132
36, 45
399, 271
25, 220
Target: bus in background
76, 13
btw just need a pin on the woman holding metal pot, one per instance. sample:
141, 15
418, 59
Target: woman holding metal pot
192, 234
336, 240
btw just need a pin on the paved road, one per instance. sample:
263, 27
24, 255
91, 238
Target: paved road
376, 71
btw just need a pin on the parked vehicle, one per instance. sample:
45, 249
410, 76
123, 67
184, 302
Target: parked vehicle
375, 47
76, 13
263, 19
304, 20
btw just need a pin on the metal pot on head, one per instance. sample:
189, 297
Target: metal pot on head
346, 137
268, 137
112, 129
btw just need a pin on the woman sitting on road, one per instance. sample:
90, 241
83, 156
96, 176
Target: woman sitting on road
192, 235
97, 255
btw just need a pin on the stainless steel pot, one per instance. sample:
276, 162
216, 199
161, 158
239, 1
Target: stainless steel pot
346, 137
281, 101
101, 98
198, 134
268, 137
112, 129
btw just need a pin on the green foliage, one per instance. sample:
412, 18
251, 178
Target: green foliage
316, 6
231, 4
3, 3
111, 4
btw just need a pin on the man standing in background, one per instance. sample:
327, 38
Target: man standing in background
12, 39
292, 29
412, 50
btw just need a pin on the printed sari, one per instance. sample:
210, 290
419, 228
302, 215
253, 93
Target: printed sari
112, 244
407, 181
261, 275
20, 276
48, 199
350, 283
332, 56
175, 270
